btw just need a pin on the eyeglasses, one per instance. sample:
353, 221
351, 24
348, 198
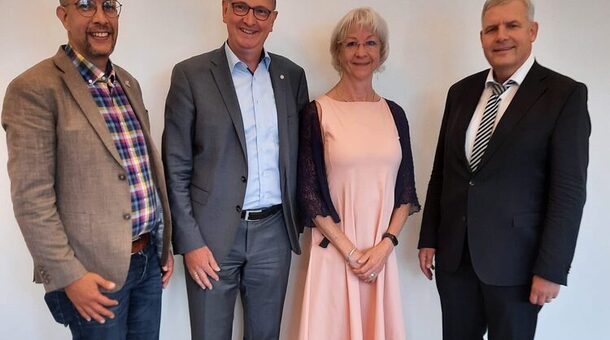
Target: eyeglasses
88, 8
241, 9
368, 45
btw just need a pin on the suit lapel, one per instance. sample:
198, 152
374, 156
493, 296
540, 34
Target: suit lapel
224, 82
278, 81
134, 98
467, 107
77, 87
528, 93
137, 105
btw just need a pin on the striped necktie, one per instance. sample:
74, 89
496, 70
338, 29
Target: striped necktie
486, 127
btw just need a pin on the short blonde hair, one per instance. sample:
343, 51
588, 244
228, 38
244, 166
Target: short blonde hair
359, 17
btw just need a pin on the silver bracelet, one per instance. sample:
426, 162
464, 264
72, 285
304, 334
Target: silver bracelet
349, 255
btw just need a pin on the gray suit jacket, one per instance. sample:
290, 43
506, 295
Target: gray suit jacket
204, 149
68, 186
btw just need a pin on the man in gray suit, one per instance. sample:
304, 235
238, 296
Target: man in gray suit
87, 182
230, 151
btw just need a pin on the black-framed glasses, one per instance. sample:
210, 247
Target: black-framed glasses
88, 8
242, 9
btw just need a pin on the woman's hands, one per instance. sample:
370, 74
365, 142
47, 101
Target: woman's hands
367, 264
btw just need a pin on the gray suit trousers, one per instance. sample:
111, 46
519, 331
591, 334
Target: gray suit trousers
257, 266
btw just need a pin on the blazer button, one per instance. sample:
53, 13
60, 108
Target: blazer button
237, 208
463, 218
471, 183
126, 216
122, 177
243, 179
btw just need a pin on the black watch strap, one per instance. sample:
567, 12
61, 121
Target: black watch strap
392, 238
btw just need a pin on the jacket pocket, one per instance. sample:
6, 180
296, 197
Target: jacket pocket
199, 195
528, 220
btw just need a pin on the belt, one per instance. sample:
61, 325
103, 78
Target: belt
140, 243
259, 214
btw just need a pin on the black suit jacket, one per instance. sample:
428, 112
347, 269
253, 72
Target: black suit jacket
521, 209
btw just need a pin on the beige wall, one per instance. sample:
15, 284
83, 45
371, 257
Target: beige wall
433, 44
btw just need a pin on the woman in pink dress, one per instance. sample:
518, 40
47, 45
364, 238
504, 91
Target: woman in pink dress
357, 189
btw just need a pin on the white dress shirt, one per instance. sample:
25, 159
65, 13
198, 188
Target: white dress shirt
505, 100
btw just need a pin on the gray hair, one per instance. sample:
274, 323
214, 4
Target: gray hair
529, 6
359, 17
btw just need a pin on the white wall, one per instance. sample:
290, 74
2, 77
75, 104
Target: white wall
433, 44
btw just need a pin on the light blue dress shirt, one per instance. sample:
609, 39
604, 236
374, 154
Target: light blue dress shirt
259, 115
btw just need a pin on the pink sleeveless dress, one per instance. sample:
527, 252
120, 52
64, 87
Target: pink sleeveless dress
362, 155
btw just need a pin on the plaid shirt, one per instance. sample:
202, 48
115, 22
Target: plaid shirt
128, 139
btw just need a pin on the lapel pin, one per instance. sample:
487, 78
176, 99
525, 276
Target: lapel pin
127, 83
282, 76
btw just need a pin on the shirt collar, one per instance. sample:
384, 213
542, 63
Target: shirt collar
90, 73
234, 61
518, 76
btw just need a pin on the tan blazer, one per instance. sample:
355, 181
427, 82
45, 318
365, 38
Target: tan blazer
69, 188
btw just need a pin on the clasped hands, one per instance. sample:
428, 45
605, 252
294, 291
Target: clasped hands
368, 264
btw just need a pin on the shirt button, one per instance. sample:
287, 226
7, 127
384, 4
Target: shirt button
122, 177
126, 216
471, 183
243, 179
237, 208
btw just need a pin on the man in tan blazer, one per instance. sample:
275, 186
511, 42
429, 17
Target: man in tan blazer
87, 182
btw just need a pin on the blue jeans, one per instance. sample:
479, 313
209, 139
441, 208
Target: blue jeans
138, 314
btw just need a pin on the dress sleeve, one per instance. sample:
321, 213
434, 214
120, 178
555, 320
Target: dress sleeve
404, 192
312, 185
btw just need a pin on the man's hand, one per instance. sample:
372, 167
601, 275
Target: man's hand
201, 264
86, 297
543, 291
373, 260
167, 270
426, 258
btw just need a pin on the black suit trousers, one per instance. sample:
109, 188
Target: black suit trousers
471, 308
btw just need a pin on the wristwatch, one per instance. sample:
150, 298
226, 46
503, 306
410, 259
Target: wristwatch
392, 238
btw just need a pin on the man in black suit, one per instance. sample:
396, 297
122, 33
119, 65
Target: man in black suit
508, 184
